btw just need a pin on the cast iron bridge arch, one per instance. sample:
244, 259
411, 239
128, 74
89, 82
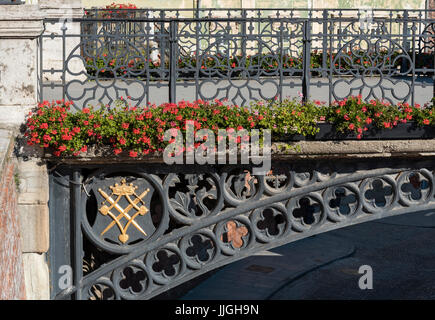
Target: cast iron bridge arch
135, 230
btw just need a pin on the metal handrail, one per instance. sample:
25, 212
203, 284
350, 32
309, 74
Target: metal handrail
171, 49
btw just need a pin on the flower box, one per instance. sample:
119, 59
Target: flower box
140, 130
403, 131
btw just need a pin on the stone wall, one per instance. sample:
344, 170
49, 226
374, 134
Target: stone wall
34, 225
24, 227
20, 25
11, 264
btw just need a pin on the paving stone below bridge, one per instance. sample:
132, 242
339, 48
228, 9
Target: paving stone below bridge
256, 277
399, 250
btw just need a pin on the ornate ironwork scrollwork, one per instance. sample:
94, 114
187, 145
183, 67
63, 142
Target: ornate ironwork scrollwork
242, 218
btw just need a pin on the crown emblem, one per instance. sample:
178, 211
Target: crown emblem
123, 189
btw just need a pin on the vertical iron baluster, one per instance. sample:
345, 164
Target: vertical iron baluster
162, 46
281, 60
306, 60
41, 66
197, 13
63, 28
243, 35
432, 52
198, 25
331, 43
78, 238
148, 60
172, 60
413, 65
405, 44
324, 42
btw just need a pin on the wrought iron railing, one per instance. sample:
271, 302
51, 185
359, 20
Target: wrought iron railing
329, 54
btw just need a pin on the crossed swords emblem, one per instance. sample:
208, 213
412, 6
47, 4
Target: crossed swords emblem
126, 191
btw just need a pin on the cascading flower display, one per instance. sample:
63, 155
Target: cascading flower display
137, 131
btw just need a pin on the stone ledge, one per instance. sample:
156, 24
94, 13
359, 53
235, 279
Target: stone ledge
60, 9
357, 148
20, 12
23, 21
288, 151
60, 4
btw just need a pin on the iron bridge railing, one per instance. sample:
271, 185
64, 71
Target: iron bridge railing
136, 230
325, 56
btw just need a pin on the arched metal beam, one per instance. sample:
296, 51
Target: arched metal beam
218, 215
